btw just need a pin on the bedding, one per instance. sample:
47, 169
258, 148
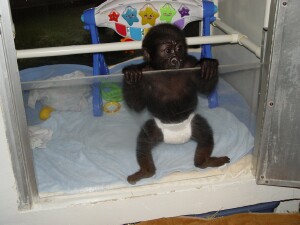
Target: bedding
88, 153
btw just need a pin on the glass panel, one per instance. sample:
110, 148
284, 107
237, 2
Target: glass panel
75, 151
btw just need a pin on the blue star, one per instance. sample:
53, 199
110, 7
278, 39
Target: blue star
130, 15
184, 11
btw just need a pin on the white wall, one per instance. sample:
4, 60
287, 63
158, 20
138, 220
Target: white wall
247, 17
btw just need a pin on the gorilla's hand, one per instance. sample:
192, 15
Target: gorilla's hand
132, 74
209, 68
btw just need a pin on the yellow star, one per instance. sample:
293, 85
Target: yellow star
149, 15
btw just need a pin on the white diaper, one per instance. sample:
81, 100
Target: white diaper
177, 133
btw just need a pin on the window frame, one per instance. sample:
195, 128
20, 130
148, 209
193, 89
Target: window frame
14, 112
22, 158
16, 123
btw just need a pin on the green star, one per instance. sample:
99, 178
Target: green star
167, 12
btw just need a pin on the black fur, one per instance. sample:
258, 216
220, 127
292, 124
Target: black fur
169, 97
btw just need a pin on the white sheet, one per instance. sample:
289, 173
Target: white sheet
90, 153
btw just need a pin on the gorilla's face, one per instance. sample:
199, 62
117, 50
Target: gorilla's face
170, 55
165, 47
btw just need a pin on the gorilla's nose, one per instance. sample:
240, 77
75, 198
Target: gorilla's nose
174, 61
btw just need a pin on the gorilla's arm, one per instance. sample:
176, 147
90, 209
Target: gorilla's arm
207, 78
190, 62
134, 87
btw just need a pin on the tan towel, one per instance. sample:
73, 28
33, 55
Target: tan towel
237, 219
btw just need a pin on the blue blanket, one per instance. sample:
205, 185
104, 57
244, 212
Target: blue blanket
88, 153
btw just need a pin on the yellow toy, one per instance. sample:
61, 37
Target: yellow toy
111, 107
46, 112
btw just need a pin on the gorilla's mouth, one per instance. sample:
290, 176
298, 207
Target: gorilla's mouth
175, 63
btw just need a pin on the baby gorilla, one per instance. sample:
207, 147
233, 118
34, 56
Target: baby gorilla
171, 98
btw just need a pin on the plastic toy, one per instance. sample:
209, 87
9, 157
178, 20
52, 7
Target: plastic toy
126, 39
111, 92
133, 18
46, 112
111, 107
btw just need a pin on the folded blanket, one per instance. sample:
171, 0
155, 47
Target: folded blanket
39, 136
69, 98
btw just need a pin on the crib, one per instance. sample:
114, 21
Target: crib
77, 168
233, 122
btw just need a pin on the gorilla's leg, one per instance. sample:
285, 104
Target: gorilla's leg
149, 136
203, 135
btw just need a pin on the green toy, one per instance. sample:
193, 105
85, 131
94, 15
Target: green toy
111, 92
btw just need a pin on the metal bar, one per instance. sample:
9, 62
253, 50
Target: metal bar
88, 80
119, 46
242, 39
267, 14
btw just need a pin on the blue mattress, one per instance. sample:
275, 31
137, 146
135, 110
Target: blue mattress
88, 153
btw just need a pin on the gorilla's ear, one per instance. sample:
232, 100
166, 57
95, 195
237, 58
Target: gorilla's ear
146, 55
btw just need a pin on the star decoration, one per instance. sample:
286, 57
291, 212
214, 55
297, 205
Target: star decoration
114, 16
184, 11
167, 13
130, 15
149, 14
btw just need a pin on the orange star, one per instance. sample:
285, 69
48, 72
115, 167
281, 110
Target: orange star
149, 15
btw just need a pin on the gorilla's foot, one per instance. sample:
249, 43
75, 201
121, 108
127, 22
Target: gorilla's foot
214, 162
132, 179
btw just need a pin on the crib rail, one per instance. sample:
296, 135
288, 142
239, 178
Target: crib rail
117, 78
233, 37
119, 46
96, 79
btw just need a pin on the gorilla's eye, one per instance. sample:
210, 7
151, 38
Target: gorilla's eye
168, 50
179, 48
